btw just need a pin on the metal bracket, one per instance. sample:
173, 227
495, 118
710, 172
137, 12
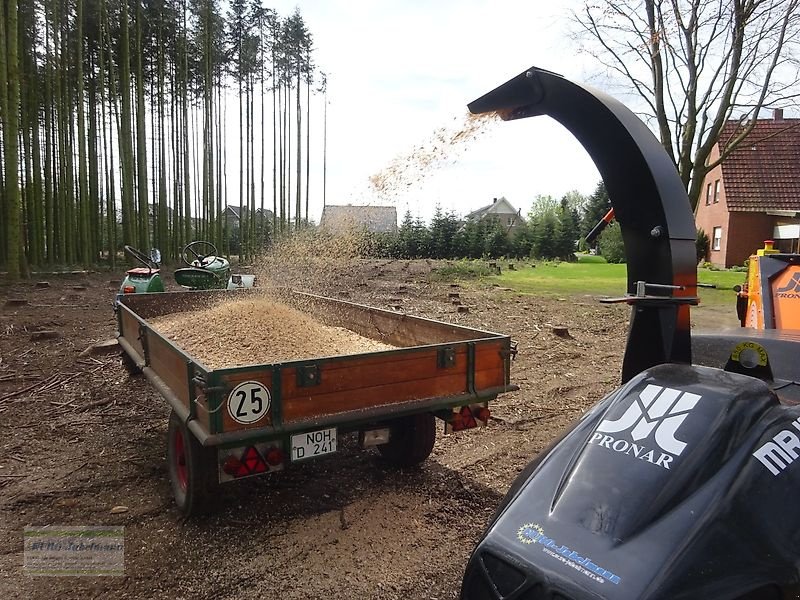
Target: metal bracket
446, 358
143, 342
642, 297
308, 376
512, 351
200, 382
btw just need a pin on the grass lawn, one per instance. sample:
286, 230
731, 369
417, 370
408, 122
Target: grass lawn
601, 279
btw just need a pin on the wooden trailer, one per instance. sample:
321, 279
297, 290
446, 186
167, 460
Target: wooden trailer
230, 423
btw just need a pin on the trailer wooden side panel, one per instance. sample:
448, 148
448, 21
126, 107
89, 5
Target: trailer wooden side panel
169, 365
230, 381
491, 365
130, 331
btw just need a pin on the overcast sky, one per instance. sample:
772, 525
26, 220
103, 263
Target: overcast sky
399, 70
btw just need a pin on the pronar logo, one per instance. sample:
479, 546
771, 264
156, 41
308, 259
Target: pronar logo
781, 451
791, 289
533, 533
656, 413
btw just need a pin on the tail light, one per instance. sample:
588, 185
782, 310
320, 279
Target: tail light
274, 457
250, 460
468, 417
128, 289
231, 465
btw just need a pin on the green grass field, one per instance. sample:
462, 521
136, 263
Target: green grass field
600, 279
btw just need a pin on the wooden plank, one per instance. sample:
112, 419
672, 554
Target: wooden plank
347, 374
490, 365
264, 377
397, 329
490, 378
130, 331
169, 365
315, 405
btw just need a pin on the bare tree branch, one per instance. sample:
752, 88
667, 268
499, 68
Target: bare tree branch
693, 63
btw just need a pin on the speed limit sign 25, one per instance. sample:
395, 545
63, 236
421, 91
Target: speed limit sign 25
248, 402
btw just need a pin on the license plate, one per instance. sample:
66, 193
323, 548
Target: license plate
313, 443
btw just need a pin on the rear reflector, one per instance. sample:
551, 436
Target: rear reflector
231, 465
274, 457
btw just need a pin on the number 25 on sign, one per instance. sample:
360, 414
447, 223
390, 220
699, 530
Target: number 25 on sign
248, 402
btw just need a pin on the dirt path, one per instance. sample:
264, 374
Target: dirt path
87, 437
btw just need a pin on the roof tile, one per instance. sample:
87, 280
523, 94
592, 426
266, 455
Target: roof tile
763, 173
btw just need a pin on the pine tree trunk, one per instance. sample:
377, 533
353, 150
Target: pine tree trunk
124, 131
308, 137
83, 184
299, 165
141, 140
10, 142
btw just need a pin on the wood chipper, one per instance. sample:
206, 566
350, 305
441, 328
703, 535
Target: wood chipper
770, 298
682, 483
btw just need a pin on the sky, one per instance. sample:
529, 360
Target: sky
400, 70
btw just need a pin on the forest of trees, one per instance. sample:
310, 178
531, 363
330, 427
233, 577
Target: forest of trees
114, 116
553, 229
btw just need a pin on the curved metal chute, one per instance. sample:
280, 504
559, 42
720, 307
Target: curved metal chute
648, 197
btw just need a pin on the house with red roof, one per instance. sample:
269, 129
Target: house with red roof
754, 195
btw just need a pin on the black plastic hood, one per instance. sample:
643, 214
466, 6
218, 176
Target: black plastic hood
664, 490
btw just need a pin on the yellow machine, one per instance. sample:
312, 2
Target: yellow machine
770, 299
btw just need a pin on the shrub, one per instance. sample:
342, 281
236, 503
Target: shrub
611, 246
461, 269
701, 245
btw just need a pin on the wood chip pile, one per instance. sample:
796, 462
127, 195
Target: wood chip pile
257, 331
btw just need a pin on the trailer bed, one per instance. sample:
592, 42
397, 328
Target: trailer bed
433, 367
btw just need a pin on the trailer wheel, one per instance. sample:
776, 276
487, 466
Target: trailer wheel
410, 441
192, 469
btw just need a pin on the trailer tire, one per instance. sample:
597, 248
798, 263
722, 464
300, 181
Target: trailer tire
192, 469
411, 440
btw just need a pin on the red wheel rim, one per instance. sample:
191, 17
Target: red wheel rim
180, 460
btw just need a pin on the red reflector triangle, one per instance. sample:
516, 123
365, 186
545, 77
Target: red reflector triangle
252, 463
469, 420
242, 471
260, 467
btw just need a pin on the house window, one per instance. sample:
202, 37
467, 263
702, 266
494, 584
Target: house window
716, 191
708, 194
717, 241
